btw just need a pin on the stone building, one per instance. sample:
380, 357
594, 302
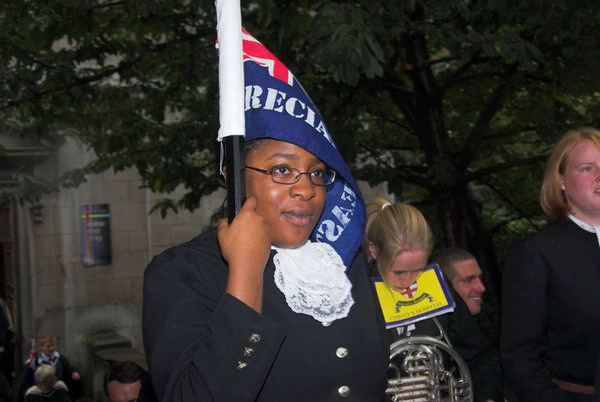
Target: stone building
43, 276
48, 287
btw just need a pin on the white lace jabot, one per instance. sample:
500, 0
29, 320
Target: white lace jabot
312, 277
586, 226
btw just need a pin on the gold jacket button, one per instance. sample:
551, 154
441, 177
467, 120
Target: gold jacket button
254, 338
248, 352
241, 365
344, 391
341, 352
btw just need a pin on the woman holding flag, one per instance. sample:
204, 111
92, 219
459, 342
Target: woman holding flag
276, 305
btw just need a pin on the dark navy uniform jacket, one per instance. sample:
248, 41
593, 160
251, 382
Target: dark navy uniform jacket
205, 345
551, 312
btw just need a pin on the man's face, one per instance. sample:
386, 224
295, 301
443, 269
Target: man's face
121, 392
47, 346
468, 283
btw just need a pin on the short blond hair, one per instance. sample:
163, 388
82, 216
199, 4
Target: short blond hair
552, 199
43, 373
394, 228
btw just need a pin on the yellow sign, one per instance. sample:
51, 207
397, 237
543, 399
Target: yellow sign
428, 297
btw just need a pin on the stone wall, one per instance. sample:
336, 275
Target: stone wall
71, 300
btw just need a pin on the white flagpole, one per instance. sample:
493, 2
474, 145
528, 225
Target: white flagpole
231, 100
231, 71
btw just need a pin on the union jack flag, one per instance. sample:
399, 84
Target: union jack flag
32, 356
409, 291
258, 53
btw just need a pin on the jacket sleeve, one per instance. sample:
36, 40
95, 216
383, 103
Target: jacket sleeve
481, 358
202, 344
524, 326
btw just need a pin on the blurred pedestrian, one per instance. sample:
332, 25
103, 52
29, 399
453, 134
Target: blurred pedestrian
48, 387
126, 381
48, 355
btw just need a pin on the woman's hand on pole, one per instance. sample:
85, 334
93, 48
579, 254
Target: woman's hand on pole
245, 244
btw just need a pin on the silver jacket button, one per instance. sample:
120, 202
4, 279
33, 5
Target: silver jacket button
344, 391
341, 352
254, 338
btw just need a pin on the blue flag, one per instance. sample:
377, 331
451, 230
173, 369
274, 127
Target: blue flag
277, 107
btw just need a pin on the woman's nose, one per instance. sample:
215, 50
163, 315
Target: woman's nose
303, 188
405, 282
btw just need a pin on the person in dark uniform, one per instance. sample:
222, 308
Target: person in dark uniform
277, 305
7, 344
550, 302
48, 388
6, 391
6, 351
597, 389
399, 242
48, 355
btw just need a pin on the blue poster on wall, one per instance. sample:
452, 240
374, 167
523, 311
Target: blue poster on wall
95, 232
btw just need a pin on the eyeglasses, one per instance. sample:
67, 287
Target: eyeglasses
283, 174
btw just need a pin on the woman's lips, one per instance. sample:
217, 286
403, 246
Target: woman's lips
299, 218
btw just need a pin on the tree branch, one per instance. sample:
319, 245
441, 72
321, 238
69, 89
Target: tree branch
477, 175
413, 178
509, 202
493, 135
105, 5
471, 77
105, 74
455, 77
483, 121
499, 226
386, 146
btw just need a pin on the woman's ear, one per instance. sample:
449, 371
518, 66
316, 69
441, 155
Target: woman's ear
562, 183
373, 250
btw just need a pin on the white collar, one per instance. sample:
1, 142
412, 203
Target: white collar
586, 226
313, 279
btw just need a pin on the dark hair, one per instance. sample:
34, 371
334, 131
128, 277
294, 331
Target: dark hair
447, 257
252, 145
126, 372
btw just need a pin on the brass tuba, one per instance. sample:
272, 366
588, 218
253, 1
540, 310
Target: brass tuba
425, 368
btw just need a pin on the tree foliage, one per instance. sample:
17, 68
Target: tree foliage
454, 103
132, 80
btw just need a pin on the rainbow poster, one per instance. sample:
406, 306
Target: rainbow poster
95, 234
